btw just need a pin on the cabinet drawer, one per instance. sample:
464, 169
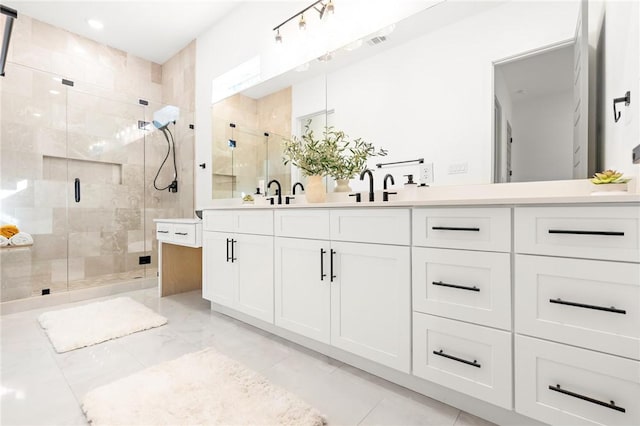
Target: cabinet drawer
164, 231
465, 285
469, 358
610, 233
587, 303
465, 228
302, 223
564, 385
381, 226
242, 221
184, 234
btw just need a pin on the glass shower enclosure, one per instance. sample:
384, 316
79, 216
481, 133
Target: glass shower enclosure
76, 173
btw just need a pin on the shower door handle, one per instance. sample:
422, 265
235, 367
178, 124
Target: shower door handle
77, 189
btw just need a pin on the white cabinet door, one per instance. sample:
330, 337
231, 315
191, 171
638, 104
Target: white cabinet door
371, 302
302, 287
218, 282
253, 260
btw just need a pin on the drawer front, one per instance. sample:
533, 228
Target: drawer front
588, 303
465, 285
255, 222
164, 231
468, 358
564, 385
184, 234
218, 220
381, 226
608, 233
242, 221
464, 228
302, 223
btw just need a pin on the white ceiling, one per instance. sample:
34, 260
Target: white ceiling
153, 30
539, 74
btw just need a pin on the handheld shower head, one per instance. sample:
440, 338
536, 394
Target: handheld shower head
164, 116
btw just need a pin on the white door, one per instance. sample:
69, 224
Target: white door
253, 258
581, 95
218, 279
371, 302
302, 287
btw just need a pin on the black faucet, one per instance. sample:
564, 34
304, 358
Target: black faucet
368, 172
293, 190
278, 191
385, 193
387, 177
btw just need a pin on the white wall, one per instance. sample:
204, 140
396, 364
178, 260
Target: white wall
621, 73
541, 128
439, 103
248, 32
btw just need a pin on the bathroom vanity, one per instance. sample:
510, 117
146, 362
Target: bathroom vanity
511, 308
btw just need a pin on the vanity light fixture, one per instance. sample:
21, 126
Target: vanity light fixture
323, 9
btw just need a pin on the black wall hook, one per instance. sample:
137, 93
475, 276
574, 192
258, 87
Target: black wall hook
626, 99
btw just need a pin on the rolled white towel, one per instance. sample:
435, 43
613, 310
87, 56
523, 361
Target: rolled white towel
4, 241
21, 239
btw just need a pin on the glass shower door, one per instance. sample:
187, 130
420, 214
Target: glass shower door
106, 158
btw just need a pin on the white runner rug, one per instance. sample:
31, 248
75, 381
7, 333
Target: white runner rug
97, 322
201, 388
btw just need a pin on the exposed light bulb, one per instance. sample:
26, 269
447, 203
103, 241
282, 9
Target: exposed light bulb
330, 8
95, 24
302, 24
278, 37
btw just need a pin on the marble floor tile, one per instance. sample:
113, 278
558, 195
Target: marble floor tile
40, 386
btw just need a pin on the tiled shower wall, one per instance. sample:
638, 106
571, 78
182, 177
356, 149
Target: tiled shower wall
89, 131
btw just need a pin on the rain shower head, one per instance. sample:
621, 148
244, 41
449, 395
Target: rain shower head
164, 116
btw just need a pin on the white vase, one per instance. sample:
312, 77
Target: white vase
342, 185
314, 190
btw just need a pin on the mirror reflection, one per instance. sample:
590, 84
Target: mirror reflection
442, 85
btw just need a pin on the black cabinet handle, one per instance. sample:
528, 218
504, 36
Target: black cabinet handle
233, 257
181, 233
610, 404
163, 232
563, 231
453, 228
331, 264
322, 274
584, 305
455, 358
228, 241
77, 189
461, 287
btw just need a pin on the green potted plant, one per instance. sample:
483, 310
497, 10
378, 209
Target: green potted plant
312, 156
348, 157
609, 181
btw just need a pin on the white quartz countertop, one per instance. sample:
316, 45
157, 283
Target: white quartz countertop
529, 193
182, 221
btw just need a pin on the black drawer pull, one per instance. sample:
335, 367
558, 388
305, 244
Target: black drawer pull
163, 232
610, 404
76, 187
610, 233
453, 228
583, 305
461, 287
455, 358
322, 274
181, 233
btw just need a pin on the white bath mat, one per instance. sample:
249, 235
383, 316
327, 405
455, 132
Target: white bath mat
97, 322
201, 388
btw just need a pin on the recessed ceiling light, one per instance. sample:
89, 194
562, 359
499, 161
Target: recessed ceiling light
95, 24
54, 92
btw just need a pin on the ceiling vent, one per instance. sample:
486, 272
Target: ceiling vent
377, 40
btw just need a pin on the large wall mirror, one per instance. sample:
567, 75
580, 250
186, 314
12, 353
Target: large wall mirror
452, 84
